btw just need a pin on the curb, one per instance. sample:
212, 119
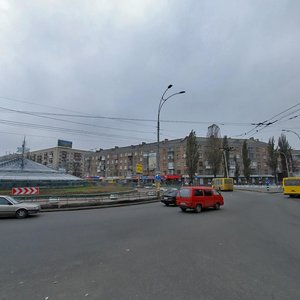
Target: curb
259, 191
133, 202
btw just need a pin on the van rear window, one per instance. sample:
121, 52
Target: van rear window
184, 193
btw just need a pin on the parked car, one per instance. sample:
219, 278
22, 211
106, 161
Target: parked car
113, 196
11, 207
151, 193
198, 197
169, 197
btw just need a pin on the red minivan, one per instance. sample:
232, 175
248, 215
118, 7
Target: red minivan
198, 198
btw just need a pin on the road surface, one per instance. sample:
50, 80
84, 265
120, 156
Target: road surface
250, 249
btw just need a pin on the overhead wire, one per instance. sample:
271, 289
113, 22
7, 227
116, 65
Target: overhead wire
276, 121
64, 130
258, 126
73, 122
262, 125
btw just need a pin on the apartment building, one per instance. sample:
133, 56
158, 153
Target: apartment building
121, 162
61, 158
295, 168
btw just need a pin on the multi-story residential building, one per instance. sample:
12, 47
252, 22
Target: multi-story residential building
120, 162
61, 158
296, 162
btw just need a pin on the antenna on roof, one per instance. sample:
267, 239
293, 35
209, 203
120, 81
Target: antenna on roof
23, 150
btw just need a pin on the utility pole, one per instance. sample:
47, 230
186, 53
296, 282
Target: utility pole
225, 159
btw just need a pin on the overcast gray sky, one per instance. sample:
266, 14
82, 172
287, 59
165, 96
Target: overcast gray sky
93, 72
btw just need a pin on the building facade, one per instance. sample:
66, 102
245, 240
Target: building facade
60, 158
295, 168
121, 162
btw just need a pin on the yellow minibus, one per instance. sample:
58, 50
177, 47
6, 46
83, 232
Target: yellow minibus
291, 186
222, 184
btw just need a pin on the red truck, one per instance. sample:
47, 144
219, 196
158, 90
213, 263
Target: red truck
198, 197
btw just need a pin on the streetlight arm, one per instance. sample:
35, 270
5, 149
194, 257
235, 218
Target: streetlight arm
286, 162
162, 97
162, 100
288, 130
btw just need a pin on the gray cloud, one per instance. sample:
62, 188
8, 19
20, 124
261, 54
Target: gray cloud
237, 60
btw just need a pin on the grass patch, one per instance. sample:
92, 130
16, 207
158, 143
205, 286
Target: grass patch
90, 189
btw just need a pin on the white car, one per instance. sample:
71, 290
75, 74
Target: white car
11, 207
113, 196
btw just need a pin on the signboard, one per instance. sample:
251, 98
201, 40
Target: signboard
63, 143
139, 168
152, 161
25, 191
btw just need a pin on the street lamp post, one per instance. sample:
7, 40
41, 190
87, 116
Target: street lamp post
286, 162
161, 103
288, 130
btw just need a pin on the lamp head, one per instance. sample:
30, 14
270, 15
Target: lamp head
182, 92
169, 86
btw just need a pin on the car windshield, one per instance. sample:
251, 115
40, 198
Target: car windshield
170, 192
12, 200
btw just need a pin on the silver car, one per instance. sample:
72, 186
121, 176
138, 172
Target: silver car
11, 207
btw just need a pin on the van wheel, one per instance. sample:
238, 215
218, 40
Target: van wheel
217, 206
183, 209
198, 208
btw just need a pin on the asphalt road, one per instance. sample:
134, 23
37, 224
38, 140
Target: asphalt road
250, 249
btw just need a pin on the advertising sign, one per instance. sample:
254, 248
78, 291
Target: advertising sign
63, 143
152, 161
139, 168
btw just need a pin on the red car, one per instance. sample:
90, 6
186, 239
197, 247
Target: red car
198, 197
